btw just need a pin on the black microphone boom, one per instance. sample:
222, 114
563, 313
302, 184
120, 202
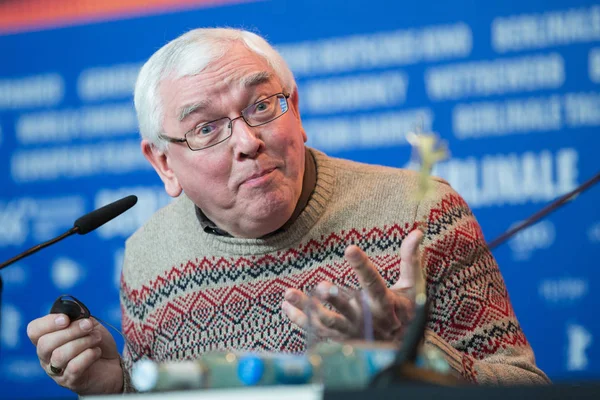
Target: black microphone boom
83, 225
545, 211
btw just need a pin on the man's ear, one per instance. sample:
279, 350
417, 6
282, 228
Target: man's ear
160, 161
295, 101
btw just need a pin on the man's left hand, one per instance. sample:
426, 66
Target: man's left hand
391, 308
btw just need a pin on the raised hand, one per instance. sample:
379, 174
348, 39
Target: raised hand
391, 308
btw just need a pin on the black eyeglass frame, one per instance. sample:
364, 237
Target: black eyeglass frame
230, 125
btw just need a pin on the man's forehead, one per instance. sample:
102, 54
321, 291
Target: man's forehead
241, 78
248, 81
237, 66
236, 63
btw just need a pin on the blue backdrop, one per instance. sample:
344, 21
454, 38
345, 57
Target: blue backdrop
513, 87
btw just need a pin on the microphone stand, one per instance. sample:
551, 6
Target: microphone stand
37, 248
403, 369
29, 252
545, 211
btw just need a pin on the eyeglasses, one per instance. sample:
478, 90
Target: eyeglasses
212, 133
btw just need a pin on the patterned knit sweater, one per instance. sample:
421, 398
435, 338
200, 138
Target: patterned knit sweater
185, 292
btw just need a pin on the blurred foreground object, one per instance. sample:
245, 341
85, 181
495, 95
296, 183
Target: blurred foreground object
428, 149
334, 365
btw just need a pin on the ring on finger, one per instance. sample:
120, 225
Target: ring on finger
55, 371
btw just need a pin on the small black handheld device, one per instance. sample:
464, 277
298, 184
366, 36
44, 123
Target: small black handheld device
69, 305
75, 309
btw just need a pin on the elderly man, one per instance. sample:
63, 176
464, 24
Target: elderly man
260, 221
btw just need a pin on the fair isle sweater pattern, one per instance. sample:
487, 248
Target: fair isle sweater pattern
228, 296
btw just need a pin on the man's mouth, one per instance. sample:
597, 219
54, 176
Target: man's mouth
258, 176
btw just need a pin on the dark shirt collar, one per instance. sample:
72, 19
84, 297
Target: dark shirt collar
309, 182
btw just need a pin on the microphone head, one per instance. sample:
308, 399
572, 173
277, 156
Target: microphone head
99, 217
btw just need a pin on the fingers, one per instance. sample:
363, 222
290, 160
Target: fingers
410, 261
64, 354
316, 327
296, 298
367, 273
295, 315
46, 324
325, 322
337, 297
81, 363
51, 341
76, 367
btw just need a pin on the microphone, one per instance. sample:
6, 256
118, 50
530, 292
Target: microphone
99, 217
83, 225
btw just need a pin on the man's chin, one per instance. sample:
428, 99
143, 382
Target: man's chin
266, 219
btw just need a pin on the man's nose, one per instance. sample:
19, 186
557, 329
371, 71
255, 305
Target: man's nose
247, 142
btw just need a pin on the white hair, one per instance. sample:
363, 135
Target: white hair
190, 54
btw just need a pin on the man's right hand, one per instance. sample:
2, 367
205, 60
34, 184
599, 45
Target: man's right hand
81, 356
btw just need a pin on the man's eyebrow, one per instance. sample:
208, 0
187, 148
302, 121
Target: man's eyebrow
189, 109
247, 81
256, 79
